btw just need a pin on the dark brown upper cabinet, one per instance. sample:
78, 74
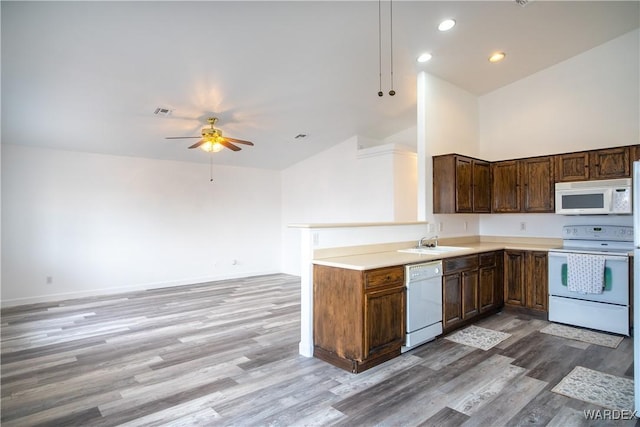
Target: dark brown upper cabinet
538, 192
610, 163
506, 186
607, 163
572, 167
461, 184
634, 154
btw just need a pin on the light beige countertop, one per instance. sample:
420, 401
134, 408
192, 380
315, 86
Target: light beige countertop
387, 255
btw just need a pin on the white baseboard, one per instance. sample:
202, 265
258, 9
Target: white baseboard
137, 287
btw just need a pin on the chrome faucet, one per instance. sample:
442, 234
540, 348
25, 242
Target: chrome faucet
432, 242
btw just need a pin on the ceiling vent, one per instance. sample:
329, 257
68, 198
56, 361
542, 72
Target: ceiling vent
162, 112
522, 3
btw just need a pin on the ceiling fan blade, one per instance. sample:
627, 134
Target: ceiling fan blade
229, 145
181, 137
239, 141
198, 144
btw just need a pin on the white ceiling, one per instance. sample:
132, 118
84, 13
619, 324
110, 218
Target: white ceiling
88, 76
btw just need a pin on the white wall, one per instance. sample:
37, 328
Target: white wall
451, 118
447, 123
344, 184
589, 101
96, 223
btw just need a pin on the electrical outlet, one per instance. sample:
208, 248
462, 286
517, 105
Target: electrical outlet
316, 239
523, 226
49, 280
431, 228
466, 225
440, 226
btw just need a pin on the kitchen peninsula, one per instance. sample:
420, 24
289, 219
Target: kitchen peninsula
359, 295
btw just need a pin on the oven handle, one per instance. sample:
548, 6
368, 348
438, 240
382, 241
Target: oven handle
623, 258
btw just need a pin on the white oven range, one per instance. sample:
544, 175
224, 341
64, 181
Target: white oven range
606, 311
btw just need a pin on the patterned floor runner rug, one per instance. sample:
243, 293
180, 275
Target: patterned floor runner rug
597, 387
583, 335
478, 337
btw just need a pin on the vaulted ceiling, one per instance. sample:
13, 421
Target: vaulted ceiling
88, 76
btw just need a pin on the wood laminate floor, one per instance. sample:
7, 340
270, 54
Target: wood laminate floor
226, 353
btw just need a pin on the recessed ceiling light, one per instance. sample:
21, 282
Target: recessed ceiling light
424, 57
446, 25
497, 57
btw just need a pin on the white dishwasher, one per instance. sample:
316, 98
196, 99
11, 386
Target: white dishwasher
424, 303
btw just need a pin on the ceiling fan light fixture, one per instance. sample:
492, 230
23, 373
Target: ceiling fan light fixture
211, 146
446, 25
424, 57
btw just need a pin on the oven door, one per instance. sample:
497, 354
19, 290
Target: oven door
616, 289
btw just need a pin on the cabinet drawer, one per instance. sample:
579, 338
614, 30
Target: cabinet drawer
461, 263
487, 259
384, 277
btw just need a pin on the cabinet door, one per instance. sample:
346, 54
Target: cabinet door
384, 314
537, 280
610, 163
506, 186
634, 154
514, 290
481, 186
337, 301
487, 288
572, 167
444, 189
490, 289
469, 294
538, 185
464, 189
452, 299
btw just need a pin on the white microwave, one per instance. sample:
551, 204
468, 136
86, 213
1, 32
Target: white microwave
603, 197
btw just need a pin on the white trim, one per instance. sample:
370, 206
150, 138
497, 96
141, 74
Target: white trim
50, 298
383, 150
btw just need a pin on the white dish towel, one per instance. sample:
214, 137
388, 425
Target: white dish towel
585, 273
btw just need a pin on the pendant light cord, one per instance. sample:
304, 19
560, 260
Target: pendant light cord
391, 92
380, 93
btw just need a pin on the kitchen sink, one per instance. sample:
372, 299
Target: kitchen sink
436, 250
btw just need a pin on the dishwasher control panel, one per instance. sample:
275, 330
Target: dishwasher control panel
423, 271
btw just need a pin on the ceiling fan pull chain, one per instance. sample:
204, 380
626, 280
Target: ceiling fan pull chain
391, 92
211, 166
380, 93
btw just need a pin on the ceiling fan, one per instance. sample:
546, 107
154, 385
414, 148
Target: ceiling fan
212, 139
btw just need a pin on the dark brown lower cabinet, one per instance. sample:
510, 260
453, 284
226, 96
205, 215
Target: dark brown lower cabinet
358, 316
526, 279
471, 286
452, 300
490, 281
